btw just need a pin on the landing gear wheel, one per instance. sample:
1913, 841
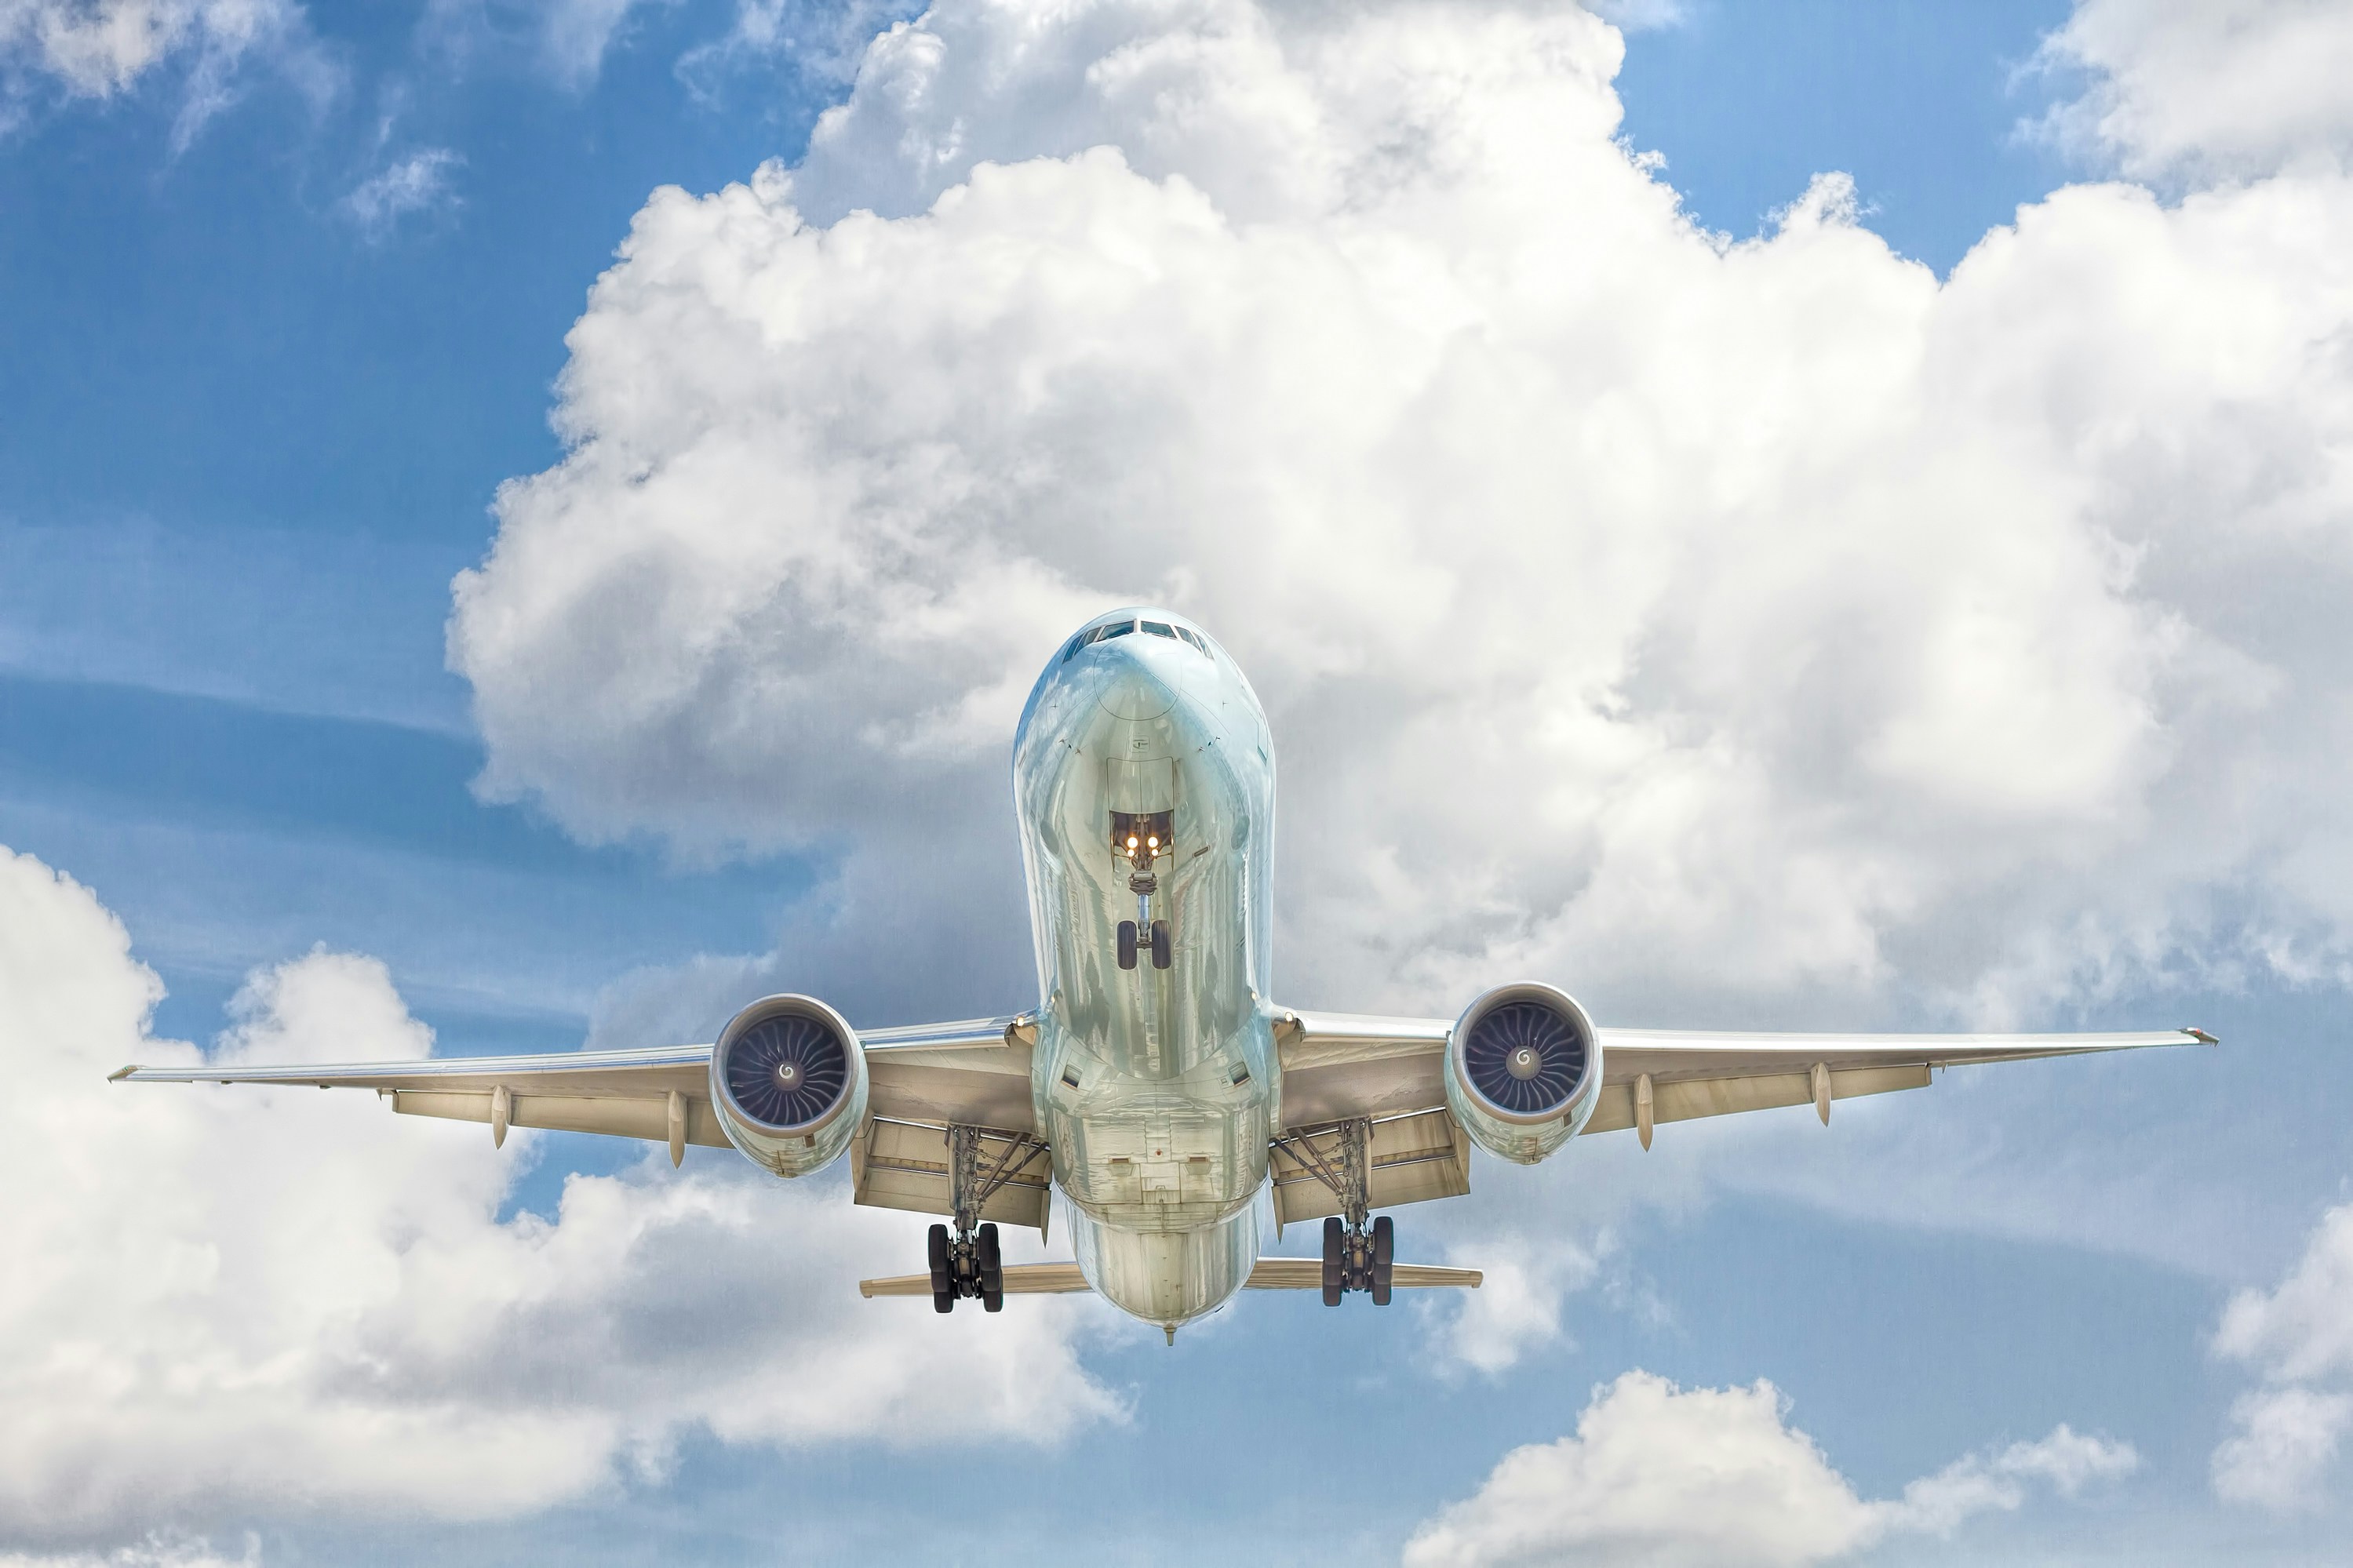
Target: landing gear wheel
1159, 944
992, 1271
1384, 1258
943, 1292
1336, 1264
1127, 944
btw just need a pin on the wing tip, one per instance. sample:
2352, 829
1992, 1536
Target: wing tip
119, 1074
2200, 1036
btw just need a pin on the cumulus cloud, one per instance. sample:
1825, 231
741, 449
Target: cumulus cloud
1633, 608
416, 184
227, 1299
100, 49
2299, 1335
2228, 88
1661, 1476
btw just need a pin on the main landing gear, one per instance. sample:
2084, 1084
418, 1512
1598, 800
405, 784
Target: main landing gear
1359, 1252
967, 1263
967, 1266
1354, 1260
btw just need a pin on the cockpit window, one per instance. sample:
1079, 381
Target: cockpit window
1116, 629
1193, 638
1160, 628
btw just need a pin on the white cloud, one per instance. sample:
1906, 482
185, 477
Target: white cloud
2230, 87
1658, 1477
416, 184
2283, 1441
576, 35
1636, 611
809, 38
1639, 15
100, 49
2299, 1336
155, 1551
295, 1300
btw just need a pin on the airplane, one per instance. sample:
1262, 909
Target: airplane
1157, 1085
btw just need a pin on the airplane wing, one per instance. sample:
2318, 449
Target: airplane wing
973, 1073
1342, 1067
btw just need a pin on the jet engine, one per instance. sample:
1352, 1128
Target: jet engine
789, 1083
1523, 1071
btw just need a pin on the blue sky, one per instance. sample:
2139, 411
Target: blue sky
249, 435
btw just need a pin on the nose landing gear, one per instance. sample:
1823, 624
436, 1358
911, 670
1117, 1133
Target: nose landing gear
1143, 839
1153, 939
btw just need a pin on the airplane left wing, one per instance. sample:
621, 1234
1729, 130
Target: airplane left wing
973, 1072
1389, 1072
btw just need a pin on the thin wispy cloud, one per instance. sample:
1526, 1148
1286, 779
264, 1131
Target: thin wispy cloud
211, 48
421, 183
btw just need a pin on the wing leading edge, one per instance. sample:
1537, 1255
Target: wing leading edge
1340, 1068
972, 1071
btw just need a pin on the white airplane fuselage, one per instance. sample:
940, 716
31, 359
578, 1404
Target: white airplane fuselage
1157, 1088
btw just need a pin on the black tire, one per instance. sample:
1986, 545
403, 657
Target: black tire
1384, 1258
992, 1271
1335, 1261
943, 1300
1127, 944
1160, 944
943, 1280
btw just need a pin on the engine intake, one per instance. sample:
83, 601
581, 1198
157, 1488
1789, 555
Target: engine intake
1522, 1070
788, 1083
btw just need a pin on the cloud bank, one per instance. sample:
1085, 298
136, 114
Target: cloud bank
1634, 608
1661, 1477
226, 1300
2286, 1433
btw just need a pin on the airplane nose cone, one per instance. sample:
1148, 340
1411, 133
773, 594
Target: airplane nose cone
1147, 682
1138, 695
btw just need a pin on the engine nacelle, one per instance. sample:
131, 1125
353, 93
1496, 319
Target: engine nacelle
789, 1083
1523, 1071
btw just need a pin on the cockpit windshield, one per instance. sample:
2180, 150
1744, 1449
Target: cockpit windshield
1121, 628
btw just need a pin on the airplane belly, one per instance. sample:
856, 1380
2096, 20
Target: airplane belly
1144, 778
1168, 1277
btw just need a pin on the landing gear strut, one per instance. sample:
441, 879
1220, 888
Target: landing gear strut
1144, 840
1359, 1253
967, 1263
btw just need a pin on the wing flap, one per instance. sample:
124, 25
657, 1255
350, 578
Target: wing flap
1413, 1158
900, 1164
612, 1115
1682, 1100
